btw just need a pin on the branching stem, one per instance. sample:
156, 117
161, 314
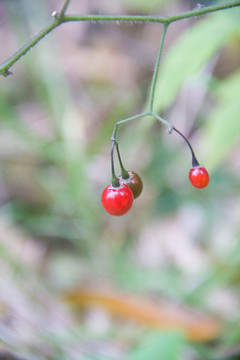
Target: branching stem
62, 18
124, 121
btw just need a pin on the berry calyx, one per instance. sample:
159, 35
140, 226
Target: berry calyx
199, 177
134, 182
129, 178
117, 201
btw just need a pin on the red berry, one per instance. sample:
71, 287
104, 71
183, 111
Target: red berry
117, 201
199, 177
134, 182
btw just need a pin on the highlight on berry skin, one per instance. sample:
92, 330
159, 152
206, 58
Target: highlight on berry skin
117, 201
199, 177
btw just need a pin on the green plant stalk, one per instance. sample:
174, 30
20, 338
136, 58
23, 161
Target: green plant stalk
64, 8
153, 19
5, 66
61, 18
156, 69
115, 181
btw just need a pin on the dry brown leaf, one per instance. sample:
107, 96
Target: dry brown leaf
198, 327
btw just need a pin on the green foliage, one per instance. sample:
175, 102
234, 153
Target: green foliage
163, 345
195, 47
222, 124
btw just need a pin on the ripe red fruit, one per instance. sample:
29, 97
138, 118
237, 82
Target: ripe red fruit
117, 201
134, 182
199, 177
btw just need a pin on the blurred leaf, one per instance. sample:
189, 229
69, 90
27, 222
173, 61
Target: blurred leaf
193, 49
155, 316
223, 126
11, 120
162, 345
168, 200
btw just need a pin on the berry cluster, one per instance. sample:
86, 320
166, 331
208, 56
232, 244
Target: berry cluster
117, 198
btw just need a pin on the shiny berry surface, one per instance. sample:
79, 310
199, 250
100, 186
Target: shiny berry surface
199, 177
117, 201
134, 182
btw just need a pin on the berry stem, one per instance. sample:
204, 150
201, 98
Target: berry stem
124, 173
194, 159
115, 181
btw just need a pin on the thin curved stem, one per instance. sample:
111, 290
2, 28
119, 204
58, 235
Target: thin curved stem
61, 18
172, 128
194, 159
156, 69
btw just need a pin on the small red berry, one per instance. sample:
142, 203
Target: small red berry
117, 201
199, 177
134, 182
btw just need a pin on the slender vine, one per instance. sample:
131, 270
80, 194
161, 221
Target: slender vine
156, 69
150, 112
60, 18
118, 197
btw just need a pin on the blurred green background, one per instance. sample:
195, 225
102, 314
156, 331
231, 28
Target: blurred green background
177, 243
